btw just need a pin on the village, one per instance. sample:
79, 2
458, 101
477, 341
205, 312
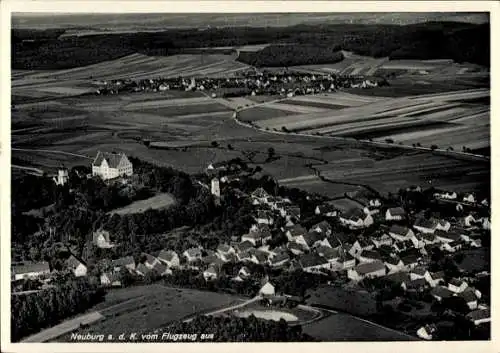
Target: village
252, 83
365, 247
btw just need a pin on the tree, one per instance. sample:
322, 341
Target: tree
434, 147
270, 153
230, 147
215, 144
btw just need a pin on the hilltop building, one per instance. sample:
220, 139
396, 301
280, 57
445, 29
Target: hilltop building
111, 165
215, 187
62, 177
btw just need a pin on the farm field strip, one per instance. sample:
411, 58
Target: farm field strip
168, 102
314, 104
294, 108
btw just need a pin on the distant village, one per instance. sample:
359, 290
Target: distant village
250, 83
377, 241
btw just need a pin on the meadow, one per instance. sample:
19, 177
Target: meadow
159, 201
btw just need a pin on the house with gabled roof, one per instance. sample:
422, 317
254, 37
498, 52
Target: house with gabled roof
355, 218
192, 254
149, 260
77, 266
260, 195
369, 256
443, 225
441, 292
410, 261
128, 262
394, 264
469, 298
424, 225
451, 246
434, 278
110, 279
279, 260
383, 239
292, 212
111, 165
243, 245
267, 289
360, 245
142, 270
264, 217
429, 239
446, 195
31, 270
225, 249
480, 316
296, 248
470, 221
295, 231
401, 233
325, 210
313, 263
469, 198
395, 214
211, 273
346, 261
426, 332
169, 258
322, 227
161, 269
416, 285
366, 270
456, 285
419, 272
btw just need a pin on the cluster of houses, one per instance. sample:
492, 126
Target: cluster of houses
256, 83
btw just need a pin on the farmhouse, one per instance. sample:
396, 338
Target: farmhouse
279, 260
449, 237
264, 217
367, 270
111, 165
417, 285
469, 198
169, 258
358, 246
470, 298
395, 214
161, 269
142, 270
149, 260
470, 221
30, 270
296, 248
259, 195
76, 266
331, 255
443, 225
419, 272
225, 249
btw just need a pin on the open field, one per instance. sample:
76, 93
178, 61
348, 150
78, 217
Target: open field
156, 202
137, 66
188, 122
158, 306
342, 327
409, 120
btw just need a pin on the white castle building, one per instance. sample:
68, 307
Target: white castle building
111, 165
62, 177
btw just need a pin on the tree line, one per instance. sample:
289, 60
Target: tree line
32, 312
461, 42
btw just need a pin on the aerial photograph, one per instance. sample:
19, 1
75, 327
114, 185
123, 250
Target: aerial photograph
250, 177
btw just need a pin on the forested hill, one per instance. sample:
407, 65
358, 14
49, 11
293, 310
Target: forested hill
433, 40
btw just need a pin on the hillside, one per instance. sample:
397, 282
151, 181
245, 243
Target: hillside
434, 40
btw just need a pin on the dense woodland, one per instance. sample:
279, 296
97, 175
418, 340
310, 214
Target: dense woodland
33, 312
251, 329
462, 42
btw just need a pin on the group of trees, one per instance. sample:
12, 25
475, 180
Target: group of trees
234, 329
308, 44
290, 55
33, 312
